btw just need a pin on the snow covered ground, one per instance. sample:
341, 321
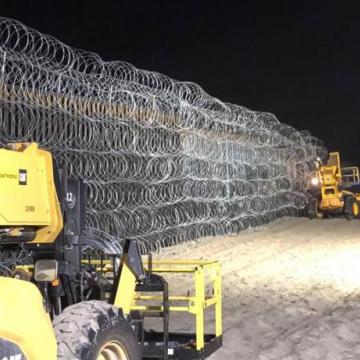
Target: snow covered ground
290, 291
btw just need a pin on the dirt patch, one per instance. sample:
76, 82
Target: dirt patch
290, 290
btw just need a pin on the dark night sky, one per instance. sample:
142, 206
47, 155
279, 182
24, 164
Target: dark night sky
299, 60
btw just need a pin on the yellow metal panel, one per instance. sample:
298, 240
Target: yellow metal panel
218, 305
23, 203
27, 191
209, 302
172, 270
125, 292
51, 232
160, 298
23, 320
199, 303
159, 308
182, 262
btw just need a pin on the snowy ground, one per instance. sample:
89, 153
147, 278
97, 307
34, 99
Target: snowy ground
290, 291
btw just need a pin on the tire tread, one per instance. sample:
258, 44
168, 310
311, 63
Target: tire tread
79, 324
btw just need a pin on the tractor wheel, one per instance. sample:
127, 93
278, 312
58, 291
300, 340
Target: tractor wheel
95, 330
351, 208
313, 209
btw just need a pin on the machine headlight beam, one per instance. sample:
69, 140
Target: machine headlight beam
314, 181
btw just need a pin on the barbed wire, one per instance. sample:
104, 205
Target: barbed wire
164, 161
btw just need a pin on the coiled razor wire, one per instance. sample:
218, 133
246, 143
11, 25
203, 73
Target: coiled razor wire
164, 161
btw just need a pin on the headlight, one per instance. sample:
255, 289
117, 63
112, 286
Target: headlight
314, 181
46, 270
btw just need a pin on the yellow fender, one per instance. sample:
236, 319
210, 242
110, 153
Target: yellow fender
23, 320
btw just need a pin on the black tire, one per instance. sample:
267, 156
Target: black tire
313, 209
349, 204
84, 328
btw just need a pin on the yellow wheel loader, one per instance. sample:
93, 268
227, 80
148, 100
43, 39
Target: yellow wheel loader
62, 305
334, 190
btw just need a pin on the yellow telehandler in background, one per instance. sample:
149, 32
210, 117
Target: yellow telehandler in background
62, 306
334, 190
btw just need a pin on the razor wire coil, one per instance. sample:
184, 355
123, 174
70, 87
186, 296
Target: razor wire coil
164, 162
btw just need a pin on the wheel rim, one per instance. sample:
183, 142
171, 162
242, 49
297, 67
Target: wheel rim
112, 350
318, 214
355, 209
317, 208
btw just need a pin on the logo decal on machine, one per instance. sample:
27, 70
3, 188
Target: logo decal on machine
22, 177
8, 176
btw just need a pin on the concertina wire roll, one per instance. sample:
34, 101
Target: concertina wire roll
164, 162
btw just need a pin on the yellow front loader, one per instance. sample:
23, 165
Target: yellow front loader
334, 190
62, 305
